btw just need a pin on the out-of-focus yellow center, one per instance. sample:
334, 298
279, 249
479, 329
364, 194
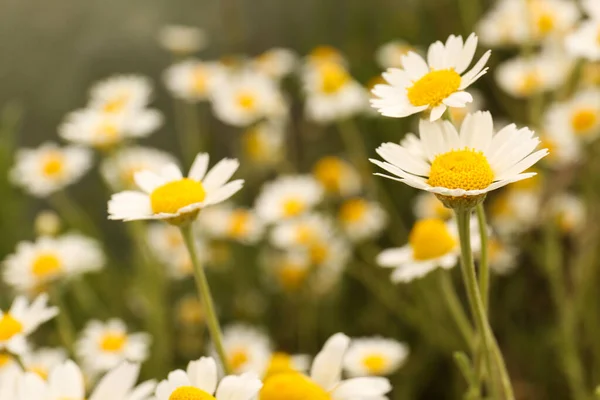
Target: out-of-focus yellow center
116, 104
107, 134
583, 120
434, 87
239, 223
46, 265
9, 327
325, 54
53, 164
292, 276
353, 211
190, 311
280, 363
375, 363
293, 207
171, 197
318, 253
238, 358
329, 172
113, 342
246, 100
333, 77
530, 82
292, 386
255, 145
190, 393
39, 371
305, 234
199, 80
461, 169
430, 239
545, 23
5, 359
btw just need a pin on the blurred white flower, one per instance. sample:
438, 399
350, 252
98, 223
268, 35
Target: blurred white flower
47, 223
337, 176
502, 256
389, 55
583, 42
361, 219
302, 231
234, 223
428, 206
247, 349
569, 212
578, 117
193, 80
43, 361
288, 197
182, 40
374, 356
276, 63
120, 94
264, 143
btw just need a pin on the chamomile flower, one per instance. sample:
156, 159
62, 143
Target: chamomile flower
583, 42
281, 363
361, 219
247, 349
233, 223
104, 345
564, 149
551, 18
246, 97
389, 55
302, 231
288, 197
276, 63
9, 384
171, 197
428, 206
49, 168
465, 164
432, 85
120, 94
501, 256
374, 356
331, 93
264, 143
324, 381
193, 80
119, 169
288, 270
200, 381
182, 40
337, 176
569, 212
35, 264
325, 54
458, 114
42, 361
514, 211
578, 117
21, 320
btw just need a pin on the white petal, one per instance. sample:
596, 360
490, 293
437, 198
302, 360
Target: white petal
148, 180
199, 167
458, 99
365, 387
203, 374
243, 387
220, 173
224, 192
467, 54
437, 112
394, 257
327, 367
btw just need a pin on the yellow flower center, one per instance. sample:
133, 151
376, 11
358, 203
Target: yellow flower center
584, 120
239, 223
545, 23
293, 207
117, 104
238, 358
333, 77
9, 327
53, 164
325, 54
430, 239
375, 363
434, 87
5, 359
46, 265
529, 83
461, 169
292, 277
329, 171
247, 100
190, 393
280, 363
255, 146
318, 253
292, 386
107, 134
113, 342
190, 311
39, 371
199, 80
353, 211
171, 197
305, 234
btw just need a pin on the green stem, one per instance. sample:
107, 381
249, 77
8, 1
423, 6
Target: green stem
66, 330
484, 267
500, 382
75, 216
206, 297
455, 308
189, 129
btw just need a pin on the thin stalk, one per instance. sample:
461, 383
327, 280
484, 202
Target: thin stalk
75, 216
500, 382
64, 324
207, 301
189, 128
484, 267
456, 309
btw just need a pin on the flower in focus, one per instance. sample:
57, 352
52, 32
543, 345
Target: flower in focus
193, 80
288, 197
429, 206
389, 55
42, 361
264, 144
462, 166
337, 176
103, 346
21, 320
200, 381
247, 349
169, 196
324, 381
226, 222
182, 40
569, 212
374, 357
276, 63
361, 219
35, 264
49, 168
432, 85
578, 117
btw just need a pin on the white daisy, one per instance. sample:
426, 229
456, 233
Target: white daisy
428, 206
433, 85
102, 346
119, 169
361, 219
302, 231
325, 381
583, 42
120, 94
8, 366
468, 163
515, 211
21, 320
374, 356
171, 197
276, 62
49, 168
9, 384
42, 361
288, 197
337, 176
325, 54
193, 80
569, 212
35, 264
181, 39
234, 223
200, 381
247, 349
389, 55
578, 117
564, 150
264, 143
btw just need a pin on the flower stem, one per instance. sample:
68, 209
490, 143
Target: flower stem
66, 330
499, 381
484, 267
455, 308
206, 297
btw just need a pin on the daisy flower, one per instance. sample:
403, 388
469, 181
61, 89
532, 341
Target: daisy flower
285, 363
22, 319
389, 55
182, 40
374, 357
361, 219
234, 223
302, 231
584, 41
515, 211
264, 143
120, 94
247, 349
200, 381
461, 167
288, 197
35, 264
337, 176
9, 384
325, 54
578, 117
324, 381
169, 196
103, 346
49, 168
551, 18
426, 205
569, 212
119, 169
432, 85
189, 311
275, 63
42, 361
193, 80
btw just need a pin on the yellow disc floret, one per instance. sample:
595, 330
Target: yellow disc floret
247, 100
293, 207
280, 363
353, 211
292, 386
171, 197
333, 77
430, 239
239, 223
238, 358
53, 165
434, 87
9, 327
583, 120
190, 393
375, 363
113, 342
461, 169
329, 171
46, 265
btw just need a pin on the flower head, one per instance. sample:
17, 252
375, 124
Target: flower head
374, 356
288, 197
182, 40
193, 80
